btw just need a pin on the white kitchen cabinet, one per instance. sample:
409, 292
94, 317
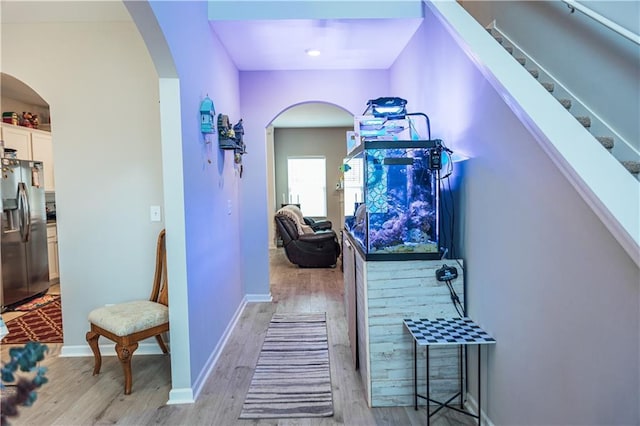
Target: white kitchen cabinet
18, 138
42, 149
32, 144
52, 246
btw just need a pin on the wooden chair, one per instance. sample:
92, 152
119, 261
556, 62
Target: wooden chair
128, 323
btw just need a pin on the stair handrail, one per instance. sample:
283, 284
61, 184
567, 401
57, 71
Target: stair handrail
629, 35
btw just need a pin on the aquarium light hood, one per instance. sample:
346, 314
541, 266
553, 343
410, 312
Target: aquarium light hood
390, 108
386, 114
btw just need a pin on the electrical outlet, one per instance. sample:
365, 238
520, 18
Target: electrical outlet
155, 214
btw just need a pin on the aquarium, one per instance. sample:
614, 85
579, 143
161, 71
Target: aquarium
392, 199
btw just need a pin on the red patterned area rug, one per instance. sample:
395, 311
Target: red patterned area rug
42, 325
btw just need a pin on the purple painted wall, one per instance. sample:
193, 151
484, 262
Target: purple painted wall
263, 96
211, 183
543, 274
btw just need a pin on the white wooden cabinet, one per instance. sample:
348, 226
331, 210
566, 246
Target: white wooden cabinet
18, 138
42, 150
32, 144
52, 245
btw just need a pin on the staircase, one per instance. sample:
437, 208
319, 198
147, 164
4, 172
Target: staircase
606, 136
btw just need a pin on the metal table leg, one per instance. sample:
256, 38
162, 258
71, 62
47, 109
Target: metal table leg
460, 373
479, 387
427, 374
415, 375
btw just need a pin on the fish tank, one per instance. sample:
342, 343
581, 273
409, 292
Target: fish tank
391, 199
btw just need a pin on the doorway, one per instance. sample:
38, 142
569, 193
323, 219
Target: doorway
313, 130
26, 134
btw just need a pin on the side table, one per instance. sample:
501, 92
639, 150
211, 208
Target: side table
445, 332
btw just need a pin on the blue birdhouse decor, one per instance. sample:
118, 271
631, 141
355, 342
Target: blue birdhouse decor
207, 114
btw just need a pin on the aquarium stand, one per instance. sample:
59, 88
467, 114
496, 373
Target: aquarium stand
378, 296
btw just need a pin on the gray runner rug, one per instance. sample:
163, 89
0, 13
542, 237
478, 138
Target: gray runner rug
292, 377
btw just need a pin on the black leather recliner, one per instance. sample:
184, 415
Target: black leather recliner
318, 225
319, 249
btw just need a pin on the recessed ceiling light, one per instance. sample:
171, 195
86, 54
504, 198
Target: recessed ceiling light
312, 52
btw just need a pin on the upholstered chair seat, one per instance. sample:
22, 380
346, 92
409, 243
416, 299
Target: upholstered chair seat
130, 317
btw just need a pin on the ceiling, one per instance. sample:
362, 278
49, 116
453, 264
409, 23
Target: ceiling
265, 45
267, 35
257, 44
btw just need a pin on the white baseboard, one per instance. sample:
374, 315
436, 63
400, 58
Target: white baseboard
258, 298
472, 406
215, 355
107, 350
181, 396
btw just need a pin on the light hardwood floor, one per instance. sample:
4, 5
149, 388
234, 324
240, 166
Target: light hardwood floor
74, 397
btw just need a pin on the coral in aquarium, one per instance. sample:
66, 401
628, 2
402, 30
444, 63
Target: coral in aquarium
407, 221
412, 226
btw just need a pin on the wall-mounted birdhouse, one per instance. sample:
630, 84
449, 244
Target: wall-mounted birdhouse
207, 114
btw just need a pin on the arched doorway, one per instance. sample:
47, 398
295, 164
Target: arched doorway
309, 130
29, 280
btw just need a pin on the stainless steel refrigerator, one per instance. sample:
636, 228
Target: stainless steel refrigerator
23, 224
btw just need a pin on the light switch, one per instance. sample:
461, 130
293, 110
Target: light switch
155, 214
228, 206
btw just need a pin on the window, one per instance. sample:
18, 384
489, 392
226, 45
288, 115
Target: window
307, 184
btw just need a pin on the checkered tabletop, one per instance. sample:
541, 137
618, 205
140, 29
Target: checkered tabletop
447, 331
